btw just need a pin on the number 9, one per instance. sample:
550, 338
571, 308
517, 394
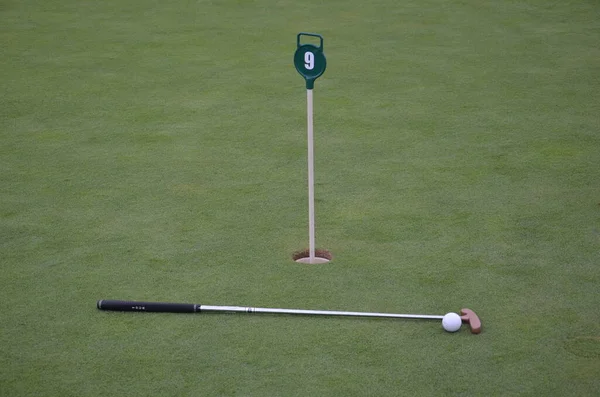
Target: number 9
309, 60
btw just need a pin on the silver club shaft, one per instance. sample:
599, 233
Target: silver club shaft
244, 309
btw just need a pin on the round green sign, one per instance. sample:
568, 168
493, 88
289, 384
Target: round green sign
309, 60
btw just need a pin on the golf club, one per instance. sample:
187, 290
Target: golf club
467, 315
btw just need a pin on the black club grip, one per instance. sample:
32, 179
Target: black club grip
133, 306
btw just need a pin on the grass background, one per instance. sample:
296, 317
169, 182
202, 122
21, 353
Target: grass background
156, 151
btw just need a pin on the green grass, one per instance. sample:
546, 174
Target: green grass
156, 151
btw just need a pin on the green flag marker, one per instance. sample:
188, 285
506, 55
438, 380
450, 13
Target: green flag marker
309, 59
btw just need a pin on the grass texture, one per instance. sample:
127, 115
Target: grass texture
156, 150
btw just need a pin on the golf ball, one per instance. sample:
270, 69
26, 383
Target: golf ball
451, 322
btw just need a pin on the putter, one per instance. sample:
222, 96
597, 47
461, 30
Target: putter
468, 316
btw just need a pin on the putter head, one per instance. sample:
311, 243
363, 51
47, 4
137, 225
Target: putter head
468, 316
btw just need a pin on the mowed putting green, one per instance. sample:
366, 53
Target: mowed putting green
156, 151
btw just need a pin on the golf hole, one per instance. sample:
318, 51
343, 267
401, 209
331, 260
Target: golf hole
321, 256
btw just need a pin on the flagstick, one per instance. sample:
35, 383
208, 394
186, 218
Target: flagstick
310, 62
311, 177
312, 258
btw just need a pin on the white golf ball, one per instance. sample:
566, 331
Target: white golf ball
451, 322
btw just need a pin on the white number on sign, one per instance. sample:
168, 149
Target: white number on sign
309, 60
